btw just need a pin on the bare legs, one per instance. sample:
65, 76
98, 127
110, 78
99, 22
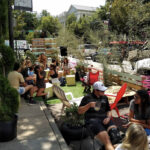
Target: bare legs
104, 138
40, 91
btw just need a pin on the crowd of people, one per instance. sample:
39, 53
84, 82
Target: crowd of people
29, 78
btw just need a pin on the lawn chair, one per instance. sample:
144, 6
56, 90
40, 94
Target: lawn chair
117, 99
62, 96
92, 77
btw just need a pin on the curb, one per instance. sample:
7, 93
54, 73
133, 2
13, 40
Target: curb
54, 127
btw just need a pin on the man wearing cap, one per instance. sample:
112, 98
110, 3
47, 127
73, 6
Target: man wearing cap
96, 109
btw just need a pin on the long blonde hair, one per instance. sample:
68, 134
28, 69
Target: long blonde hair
135, 138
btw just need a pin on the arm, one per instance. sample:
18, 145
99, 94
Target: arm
131, 118
107, 119
109, 114
39, 74
83, 109
145, 125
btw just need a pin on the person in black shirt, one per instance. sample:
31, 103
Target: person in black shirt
53, 74
95, 107
40, 83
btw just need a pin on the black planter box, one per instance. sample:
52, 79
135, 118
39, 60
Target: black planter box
8, 129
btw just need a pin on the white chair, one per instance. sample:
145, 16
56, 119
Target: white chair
63, 97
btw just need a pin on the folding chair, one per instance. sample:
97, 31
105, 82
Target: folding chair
62, 96
92, 77
117, 99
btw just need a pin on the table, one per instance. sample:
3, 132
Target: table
70, 80
49, 90
112, 91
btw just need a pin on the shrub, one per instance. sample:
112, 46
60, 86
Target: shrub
9, 100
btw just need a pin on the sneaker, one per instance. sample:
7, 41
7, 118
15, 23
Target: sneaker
32, 102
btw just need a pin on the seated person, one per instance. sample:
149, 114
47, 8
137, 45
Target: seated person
65, 67
96, 109
31, 75
17, 81
40, 83
53, 73
139, 109
135, 139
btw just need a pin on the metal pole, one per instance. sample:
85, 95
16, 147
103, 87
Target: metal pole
10, 23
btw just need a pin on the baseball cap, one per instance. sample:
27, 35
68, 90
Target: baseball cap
99, 86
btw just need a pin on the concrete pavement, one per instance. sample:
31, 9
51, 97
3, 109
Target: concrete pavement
36, 130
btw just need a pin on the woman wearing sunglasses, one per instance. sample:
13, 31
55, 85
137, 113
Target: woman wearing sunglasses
139, 110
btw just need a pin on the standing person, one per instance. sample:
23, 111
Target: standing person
95, 107
17, 81
139, 109
43, 60
66, 67
40, 83
53, 73
135, 139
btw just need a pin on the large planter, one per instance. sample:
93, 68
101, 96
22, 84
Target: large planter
8, 129
71, 133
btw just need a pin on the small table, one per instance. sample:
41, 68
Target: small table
49, 90
112, 91
70, 80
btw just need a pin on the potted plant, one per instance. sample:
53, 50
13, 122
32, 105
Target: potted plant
9, 97
73, 127
9, 104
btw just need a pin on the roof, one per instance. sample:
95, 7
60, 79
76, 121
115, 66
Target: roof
86, 8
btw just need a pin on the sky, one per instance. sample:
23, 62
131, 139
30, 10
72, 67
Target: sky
56, 7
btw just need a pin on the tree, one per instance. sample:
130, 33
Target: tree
71, 22
102, 12
139, 22
82, 27
49, 25
3, 19
45, 13
69, 40
7, 59
24, 23
31, 21
120, 12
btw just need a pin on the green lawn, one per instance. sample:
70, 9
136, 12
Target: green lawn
76, 90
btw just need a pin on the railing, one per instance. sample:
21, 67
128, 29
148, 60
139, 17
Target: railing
133, 81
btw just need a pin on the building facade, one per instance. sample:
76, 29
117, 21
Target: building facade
78, 10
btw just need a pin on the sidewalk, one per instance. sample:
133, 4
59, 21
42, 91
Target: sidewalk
36, 130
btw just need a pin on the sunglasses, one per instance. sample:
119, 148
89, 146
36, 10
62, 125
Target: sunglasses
100, 91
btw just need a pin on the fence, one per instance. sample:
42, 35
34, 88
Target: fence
133, 81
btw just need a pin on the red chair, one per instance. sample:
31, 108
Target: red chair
93, 77
117, 99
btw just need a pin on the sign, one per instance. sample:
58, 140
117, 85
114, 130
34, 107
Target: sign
19, 44
23, 5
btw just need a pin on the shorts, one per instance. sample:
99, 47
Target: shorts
21, 90
95, 125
